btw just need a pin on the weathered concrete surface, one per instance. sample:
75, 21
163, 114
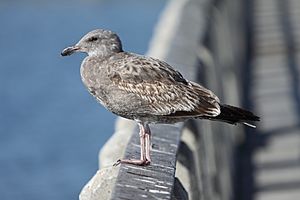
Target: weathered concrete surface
114, 148
101, 185
154, 181
179, 193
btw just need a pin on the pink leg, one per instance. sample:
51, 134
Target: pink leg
147, 142
145, 147
142, 141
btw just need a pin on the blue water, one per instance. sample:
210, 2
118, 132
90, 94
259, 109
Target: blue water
51, 129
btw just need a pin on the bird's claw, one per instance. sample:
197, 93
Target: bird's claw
117, 163
133, 162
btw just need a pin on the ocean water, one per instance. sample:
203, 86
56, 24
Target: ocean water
51, 129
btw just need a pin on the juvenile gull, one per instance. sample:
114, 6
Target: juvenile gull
146, 89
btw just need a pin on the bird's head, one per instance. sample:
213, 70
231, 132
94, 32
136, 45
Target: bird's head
98, 42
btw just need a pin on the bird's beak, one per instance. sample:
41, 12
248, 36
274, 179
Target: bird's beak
70, 50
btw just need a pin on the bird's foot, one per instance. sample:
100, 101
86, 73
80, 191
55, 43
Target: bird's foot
133, 162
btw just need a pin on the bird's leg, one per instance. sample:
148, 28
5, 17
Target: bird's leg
147, 142
144, 132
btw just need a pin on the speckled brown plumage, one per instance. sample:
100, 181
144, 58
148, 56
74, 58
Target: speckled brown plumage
145, 89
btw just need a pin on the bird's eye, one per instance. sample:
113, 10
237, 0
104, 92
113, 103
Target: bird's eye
91, 39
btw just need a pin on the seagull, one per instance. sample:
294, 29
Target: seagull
145, 89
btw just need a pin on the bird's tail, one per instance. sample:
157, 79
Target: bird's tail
233, 115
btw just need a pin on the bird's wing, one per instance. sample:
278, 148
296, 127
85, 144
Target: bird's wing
163, 89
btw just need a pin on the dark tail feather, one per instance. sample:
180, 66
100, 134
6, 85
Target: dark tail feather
233, 115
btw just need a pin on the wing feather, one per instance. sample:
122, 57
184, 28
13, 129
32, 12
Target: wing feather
162, 88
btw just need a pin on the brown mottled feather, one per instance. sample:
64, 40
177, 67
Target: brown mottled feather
164, 88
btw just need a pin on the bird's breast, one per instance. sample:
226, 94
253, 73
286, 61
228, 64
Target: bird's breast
94, 77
